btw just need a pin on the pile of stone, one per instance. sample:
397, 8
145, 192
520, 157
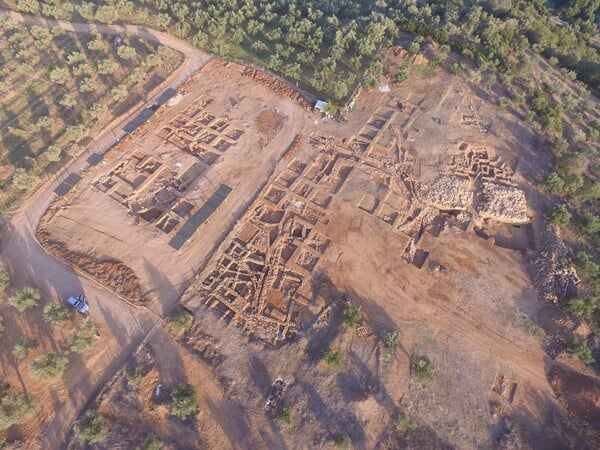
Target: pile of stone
448, 193
503, 204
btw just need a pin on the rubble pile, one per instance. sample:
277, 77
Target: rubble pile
550, 269
448, 193
503, 203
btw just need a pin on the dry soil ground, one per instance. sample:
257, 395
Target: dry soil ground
392, 210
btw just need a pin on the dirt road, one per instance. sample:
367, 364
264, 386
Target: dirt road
122, 326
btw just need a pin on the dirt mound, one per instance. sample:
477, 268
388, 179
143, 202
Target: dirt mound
268, 122
578, 392
277, 86
109, 272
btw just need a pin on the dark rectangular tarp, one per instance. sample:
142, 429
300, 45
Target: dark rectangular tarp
200, 217
67, 184
72, 179
62, 189
94, 159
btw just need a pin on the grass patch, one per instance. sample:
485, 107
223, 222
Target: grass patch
185, 401
404, 423
334, 359
182, 322
352, 316
284, 417
90, 428
422, 367
341, 440
133, 375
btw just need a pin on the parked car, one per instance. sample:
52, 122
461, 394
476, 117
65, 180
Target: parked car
79, 303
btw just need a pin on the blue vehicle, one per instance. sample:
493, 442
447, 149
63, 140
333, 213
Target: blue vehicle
79, 303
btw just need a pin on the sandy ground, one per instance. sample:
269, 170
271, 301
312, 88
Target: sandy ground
348, 216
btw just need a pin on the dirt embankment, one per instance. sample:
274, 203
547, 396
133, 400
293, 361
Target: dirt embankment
278, 87
578, 392
111, 273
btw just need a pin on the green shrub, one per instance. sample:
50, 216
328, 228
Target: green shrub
2, 326
590, 223
4, 279
581, 351
404, 423
84, 335
21, 349
334, 359
391, 339
24, 299
583, 307
341, 440
284, 418
530, 323
422, 367
90, 427
589, 192
558, 215
554, 183
352, 316
56, 315
49, 366
586, 266
151, 443
14, 408
185, 401
182, 322
134, 375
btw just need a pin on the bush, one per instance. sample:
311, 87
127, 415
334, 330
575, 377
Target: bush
4, 279
49, 366
590, 223
2, 326
185, 401
559, 215
586, 266
334, 359
21, 349
352, 316
583, 307
581, 351
23, 180
553, 183
341, 440
90, 428
83, 336
134, 375
284, 418
151, 443
182, 322
422, 367
14, 408
391, 339
56, 315
24, 299
404, 423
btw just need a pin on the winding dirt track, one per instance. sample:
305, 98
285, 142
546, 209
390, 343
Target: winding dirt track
125, 325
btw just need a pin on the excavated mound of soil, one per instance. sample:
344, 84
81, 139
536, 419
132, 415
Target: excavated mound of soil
268, 122
109, 272
578, 392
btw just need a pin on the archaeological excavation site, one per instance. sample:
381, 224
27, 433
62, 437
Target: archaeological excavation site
270, 223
